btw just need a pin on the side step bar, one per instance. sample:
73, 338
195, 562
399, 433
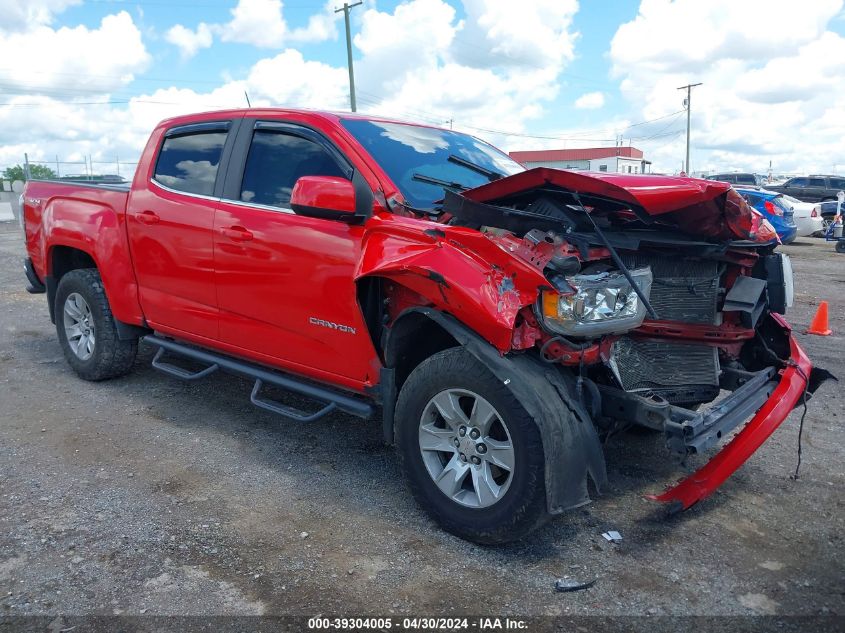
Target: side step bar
331, 400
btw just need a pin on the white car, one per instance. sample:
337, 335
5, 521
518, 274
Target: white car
807, 216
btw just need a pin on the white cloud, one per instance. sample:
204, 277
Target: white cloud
256, 22
419, 61
809, 72
45, 126
260, 23
412, 63
321, 26
77, 60
532, 35
767, 69
18, 14
684, 35
590, 101
495, 69
188, 41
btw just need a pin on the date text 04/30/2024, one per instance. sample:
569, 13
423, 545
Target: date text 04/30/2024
421, 623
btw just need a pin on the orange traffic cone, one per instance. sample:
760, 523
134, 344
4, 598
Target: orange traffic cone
819, 323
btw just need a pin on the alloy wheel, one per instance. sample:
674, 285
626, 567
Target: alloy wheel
79, 326
466, 448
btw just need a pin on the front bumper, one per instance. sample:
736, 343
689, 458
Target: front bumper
795, 377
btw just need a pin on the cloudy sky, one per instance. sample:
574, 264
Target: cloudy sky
92, 77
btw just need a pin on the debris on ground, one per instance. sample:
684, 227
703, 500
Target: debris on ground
612, 536
565, 585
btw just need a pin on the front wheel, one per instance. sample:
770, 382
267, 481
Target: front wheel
471, 454
87, 330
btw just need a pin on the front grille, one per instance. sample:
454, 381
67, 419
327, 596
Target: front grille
679, 372
682, 290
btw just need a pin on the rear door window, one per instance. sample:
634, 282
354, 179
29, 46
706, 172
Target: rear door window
189, 162
276, 161
816, 182
783, 205
752, 199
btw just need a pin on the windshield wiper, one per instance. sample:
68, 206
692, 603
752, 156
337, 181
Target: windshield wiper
487, 173
441, 183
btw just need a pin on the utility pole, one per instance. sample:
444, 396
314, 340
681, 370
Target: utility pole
688, 104
345, 9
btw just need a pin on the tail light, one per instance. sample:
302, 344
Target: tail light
746, 222
815, 212
771, 208
761, 229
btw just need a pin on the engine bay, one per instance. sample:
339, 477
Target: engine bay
652, 318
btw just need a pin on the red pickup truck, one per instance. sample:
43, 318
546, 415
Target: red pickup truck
499, 321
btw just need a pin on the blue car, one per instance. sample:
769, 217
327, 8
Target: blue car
774, 208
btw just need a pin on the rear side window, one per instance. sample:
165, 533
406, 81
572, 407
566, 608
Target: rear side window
189, 162
746, 179
276, 161
782, 204
837, 183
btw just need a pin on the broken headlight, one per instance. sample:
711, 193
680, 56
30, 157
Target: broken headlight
596, 304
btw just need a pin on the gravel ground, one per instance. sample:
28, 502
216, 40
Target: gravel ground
144, 495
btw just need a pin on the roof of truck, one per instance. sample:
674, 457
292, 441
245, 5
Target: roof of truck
325, 115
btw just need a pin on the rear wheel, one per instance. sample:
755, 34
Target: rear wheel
87, 330
840, 246
471, 454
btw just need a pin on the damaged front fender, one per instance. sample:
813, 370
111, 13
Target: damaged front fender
571, 446
457, 270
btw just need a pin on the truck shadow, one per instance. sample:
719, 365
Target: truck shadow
342, 460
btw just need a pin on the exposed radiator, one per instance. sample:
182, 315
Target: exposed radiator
679, 372
682, 290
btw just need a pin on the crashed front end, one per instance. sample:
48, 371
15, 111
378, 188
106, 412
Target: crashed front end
662, 295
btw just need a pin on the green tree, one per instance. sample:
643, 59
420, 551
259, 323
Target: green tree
38, 172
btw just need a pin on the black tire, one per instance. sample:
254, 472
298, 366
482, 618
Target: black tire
110, 356
840, 246
522, 507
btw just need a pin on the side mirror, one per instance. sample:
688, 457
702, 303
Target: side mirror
324, 197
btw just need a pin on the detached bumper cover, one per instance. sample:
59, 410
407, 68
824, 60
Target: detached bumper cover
701, 484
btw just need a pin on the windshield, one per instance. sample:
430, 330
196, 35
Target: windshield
422, 161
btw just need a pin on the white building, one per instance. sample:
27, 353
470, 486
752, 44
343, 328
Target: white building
622, 160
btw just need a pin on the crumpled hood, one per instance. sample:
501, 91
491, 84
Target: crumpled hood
703, 208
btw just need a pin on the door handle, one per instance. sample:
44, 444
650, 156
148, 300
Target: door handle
148, 217
236, 233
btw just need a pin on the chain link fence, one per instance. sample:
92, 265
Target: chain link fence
87, 169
